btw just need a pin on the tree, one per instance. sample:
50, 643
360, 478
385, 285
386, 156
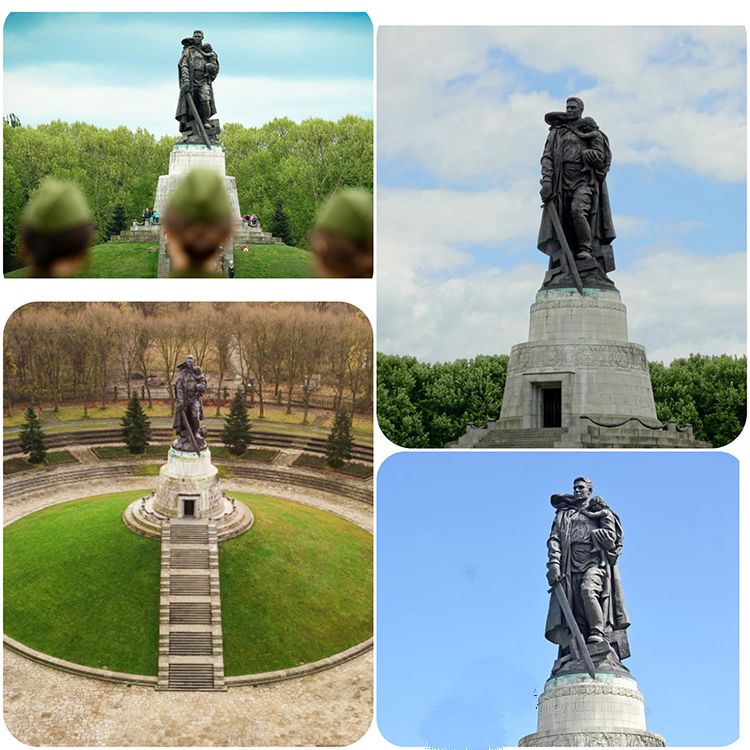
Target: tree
13, 120
136, 428
236, 433
280, 224
339, 443
32, 439
118, 221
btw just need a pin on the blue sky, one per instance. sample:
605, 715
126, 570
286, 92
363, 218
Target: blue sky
462, 595
121, 68
460, 134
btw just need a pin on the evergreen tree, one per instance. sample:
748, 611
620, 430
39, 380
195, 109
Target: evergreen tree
339, 443
32, 439
236, 434
136, 428
280, 224
118, 221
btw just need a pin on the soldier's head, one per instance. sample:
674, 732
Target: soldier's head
198, 222
190, 361
574, 107
56, 229
198, 37
342, 236
582, 488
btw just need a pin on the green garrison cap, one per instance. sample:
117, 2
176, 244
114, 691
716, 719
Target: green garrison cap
201, 198
348, 212
55, 207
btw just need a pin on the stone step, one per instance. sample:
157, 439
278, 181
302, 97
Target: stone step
190, 612
191, 677
183, 643
189, 558
190, 585
188, 534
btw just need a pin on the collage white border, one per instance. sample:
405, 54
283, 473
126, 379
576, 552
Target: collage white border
362, 293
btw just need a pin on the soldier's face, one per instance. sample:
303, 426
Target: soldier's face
190, 362
198, 37
581, 490
573, 109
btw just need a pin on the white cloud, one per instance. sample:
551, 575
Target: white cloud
424, 230
661, 94
678, 303
33, 93
681, 303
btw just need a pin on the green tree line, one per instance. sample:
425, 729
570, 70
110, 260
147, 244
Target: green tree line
296, 164
424, 405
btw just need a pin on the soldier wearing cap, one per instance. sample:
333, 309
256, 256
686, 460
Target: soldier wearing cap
56, 229
342, 236
197, 224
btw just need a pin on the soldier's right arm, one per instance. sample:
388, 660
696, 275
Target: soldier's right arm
554, 553
547, 160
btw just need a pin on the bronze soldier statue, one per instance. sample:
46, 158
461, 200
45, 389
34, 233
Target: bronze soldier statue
583, 550
189, 388
575, 163
196, 108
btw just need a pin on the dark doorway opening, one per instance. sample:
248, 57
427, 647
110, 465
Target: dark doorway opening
188, 508
551, 407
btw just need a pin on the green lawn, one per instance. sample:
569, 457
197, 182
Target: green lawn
139, 260
352, 468
79, 585
295, 588
12, 465
273, 262
115, 260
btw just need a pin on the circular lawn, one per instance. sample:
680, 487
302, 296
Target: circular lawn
80, 586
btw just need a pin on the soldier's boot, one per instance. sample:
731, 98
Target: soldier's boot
594, 616
583, 233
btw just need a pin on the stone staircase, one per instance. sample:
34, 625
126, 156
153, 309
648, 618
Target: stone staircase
190, 644
245, 235
138, 233
541, 437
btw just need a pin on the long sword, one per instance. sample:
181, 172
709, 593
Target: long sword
562, 239
197, 119
189, 430
575, 631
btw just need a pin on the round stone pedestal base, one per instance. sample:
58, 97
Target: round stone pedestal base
576, 711
141, 518
188, 488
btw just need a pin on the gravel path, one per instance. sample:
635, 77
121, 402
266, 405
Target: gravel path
44, 706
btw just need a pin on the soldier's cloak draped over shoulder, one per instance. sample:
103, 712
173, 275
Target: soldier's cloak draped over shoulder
613, 599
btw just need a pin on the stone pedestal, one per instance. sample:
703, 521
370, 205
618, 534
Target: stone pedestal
192, 478
183, 158
577, 711
188, 489
577, 381
579, 344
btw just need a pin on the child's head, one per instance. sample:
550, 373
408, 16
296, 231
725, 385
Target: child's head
588, 124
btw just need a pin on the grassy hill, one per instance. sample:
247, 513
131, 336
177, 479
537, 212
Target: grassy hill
124, 260
138, 260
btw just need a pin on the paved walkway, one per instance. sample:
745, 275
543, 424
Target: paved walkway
46, 707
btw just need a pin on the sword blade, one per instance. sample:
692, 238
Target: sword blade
563, 240
574, 629
197, 119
